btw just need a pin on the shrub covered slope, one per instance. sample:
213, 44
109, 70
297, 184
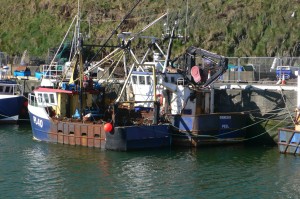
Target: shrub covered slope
231, 28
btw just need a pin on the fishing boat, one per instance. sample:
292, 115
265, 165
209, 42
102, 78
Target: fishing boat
11, 101
185, 92
70, 108
187, 101
11, 95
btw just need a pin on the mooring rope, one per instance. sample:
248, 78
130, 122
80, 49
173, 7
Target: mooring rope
287, 107
217, 137
190, 134
267, 131
261, 120
231, 139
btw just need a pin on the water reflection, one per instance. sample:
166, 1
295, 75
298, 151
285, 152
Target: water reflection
42, 173
31, 169
288, 176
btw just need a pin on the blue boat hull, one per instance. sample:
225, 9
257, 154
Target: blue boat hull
209, 129
67, 131
93, 135
40, 127
138, 137
10, 109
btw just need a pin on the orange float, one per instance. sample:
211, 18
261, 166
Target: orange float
108, 127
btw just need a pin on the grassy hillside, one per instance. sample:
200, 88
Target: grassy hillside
231, 28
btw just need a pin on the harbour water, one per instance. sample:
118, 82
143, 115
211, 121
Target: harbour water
31, 169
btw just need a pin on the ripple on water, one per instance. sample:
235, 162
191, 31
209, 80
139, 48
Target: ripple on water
31, 169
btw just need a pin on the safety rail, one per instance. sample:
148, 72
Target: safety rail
11, 89
52, 71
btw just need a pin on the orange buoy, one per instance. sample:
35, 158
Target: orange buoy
108, 127
283, 80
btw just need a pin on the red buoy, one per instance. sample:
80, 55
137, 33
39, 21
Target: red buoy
25, 103
108, 127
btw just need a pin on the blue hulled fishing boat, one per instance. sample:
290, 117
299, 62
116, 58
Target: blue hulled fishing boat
71, 108
11, 94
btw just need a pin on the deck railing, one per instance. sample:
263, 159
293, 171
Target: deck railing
11, 89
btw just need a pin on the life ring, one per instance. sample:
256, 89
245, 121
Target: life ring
160, 98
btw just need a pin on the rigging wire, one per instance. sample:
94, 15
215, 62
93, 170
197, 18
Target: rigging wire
115, 30
282, 96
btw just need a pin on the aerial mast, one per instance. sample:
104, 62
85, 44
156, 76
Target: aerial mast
186, 20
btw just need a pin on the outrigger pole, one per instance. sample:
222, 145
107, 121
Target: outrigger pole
119, 48
115, 30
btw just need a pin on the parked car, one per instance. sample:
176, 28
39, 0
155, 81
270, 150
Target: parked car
286, 71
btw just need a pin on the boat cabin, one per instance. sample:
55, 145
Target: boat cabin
143, 86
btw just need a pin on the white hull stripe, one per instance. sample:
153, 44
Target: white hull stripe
38, 111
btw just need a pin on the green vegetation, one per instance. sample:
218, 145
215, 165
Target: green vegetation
231, 28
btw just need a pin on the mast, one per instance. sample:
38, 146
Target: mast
186, 20
169, 49
80, 78
78, 20
80, 67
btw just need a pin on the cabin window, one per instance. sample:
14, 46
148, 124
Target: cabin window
148, 78
46, 97
33, 100
172, 79
142, 80
40, 97
7, 89
134, 79
1, 89
52, 101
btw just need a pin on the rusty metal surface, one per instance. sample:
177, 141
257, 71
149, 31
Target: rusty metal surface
78, 133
